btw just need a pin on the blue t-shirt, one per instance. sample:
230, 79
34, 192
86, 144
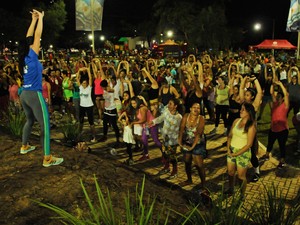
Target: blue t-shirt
32, 72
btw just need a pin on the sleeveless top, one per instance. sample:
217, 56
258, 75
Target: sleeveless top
279, 120
233, 104
165, 97
98, 90
153, 93
190, 132
45, 91
222, 94
67, 92
190, 99
239, 137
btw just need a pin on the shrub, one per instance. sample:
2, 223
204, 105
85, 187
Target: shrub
70, 130
15, 119
139, 211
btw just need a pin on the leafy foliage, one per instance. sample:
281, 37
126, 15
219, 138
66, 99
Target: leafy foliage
139, 212
70, 130
274, 209
15, 119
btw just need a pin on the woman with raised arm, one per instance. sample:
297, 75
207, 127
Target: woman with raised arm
293, 88
194, 91
279, 129
32, 100
99, 75
248, 95
269, 75
86, 102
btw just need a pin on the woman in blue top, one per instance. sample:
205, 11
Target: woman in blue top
31, 97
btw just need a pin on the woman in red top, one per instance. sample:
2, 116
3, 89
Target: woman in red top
279, 122
98, 90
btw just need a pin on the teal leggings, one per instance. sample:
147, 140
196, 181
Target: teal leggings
35, 107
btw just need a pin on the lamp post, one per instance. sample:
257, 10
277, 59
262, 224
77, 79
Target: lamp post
170, 34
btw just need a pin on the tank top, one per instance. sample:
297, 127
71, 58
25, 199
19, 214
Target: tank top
222, 94
239, 137
233, 104
165, 97
189, 133
279, 120
67, 92
153, 93
190, 99
98, 90
45, 91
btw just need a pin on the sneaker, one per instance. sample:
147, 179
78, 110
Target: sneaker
144, 157
103, 139
94, 140
281, 165
163, 171
28, 148
264, 158
53, 161
255, 178
172, 176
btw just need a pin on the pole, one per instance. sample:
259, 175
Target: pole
298, 45
92, 28
273, 35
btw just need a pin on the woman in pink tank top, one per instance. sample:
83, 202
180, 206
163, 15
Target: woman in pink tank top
99, 75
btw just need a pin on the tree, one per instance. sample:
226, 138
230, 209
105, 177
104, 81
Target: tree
202, 24
55, 20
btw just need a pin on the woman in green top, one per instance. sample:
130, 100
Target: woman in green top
67, 87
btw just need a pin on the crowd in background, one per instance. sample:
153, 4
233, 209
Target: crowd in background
170, 100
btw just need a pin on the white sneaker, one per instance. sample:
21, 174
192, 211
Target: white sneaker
53, 161
94, 140
27, 149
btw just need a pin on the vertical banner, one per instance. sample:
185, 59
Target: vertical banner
89, 14
293, 21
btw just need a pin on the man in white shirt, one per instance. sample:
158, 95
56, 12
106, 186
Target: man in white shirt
110, 111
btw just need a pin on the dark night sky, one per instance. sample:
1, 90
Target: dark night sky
239, 13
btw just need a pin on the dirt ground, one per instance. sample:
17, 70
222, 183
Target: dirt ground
23, 179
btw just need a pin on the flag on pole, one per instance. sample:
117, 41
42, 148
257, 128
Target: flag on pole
89, 14
293, 22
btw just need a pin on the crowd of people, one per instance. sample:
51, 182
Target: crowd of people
169, 100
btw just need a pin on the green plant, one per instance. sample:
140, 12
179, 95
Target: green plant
15, 119
139, 212
222, 210
70, 130
274, 209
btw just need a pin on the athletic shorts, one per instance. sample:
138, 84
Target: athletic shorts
242, 160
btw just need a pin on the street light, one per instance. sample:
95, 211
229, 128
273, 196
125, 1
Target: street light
102, 38
170, 34
257, 26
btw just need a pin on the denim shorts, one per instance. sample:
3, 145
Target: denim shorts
200, 149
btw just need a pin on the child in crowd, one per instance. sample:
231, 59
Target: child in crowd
128, 137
